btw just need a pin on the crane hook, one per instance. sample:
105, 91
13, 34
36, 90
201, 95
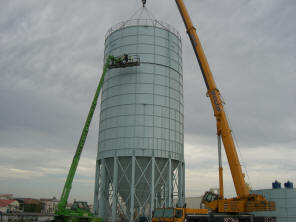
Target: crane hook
144, 2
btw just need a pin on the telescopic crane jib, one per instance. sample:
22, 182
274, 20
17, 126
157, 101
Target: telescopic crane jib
219, 207
244, 202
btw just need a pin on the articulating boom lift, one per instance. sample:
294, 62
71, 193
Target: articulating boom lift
79, 211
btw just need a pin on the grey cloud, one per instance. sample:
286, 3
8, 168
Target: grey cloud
51, 56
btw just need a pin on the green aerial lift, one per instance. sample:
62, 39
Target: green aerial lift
80, 211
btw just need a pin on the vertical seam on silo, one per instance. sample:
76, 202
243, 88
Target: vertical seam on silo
180, 101
153, 129
169, 75
119, 88
136, 139
153, 93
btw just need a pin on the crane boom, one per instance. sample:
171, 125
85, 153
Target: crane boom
223, 128
244, 202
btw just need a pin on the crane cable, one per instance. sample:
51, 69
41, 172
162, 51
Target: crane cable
236, 142
139, 15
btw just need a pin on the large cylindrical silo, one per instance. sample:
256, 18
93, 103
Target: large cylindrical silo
140, 162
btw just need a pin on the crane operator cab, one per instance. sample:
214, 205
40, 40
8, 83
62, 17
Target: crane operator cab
210, 196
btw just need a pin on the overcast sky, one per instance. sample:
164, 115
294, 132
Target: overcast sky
51, 59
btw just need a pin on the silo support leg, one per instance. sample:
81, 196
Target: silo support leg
102, 190
115, 180
183, 183
96, 192
180, 185
152, 185
133, 189
170, 184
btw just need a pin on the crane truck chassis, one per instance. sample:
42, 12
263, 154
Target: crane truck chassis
203, 215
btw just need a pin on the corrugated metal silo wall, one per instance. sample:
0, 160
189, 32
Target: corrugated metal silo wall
140, 163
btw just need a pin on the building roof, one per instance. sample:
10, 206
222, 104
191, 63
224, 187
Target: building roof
6, 196
49, 199
4, 203
28, 200
31, 201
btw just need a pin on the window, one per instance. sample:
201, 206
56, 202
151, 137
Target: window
179, 214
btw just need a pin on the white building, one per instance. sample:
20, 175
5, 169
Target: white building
48, 205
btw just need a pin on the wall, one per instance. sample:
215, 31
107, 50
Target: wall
285, 200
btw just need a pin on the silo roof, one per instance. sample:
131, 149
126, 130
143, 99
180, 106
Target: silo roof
143, 22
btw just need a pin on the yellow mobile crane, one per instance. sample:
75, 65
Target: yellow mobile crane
220, 208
